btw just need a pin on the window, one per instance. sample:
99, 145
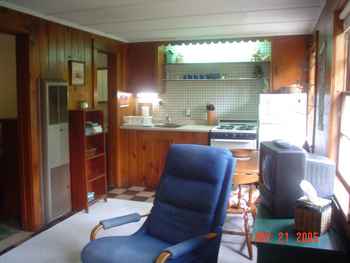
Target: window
237, 51
342, 190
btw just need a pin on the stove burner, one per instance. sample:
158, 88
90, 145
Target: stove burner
239, 127
246, 127
226, 127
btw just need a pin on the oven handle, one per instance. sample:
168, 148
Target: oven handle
232, 140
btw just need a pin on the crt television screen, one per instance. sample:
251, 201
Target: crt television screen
266, 169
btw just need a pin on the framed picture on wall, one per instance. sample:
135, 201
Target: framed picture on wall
76, 73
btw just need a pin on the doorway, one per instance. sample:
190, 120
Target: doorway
11, 188
102, 85
104, 94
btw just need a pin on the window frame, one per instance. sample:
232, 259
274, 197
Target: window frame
340, 177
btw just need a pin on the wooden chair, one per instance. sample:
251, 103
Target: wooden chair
250, 179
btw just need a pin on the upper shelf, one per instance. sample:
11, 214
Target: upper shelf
230, 79
213, 63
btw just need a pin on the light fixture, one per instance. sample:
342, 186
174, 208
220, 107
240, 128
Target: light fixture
147, 97
123, 95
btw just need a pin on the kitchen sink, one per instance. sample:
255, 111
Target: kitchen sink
168, 125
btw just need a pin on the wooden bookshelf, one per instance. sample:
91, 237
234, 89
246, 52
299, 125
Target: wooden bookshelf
87, 159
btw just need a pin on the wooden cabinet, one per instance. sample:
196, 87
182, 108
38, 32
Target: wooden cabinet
87, 159
144, 154
289, 61
145, 67
153, 153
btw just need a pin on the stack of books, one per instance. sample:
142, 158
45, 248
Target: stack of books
91, 196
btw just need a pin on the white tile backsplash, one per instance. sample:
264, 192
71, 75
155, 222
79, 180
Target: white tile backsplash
237, 99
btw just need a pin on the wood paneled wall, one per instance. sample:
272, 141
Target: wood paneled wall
43, 51
59, 44
324, 137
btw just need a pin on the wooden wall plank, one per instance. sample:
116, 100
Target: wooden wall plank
45, 49
52, 35
67, 51
60, 51
43, 44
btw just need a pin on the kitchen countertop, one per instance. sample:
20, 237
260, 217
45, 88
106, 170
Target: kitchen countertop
184, 128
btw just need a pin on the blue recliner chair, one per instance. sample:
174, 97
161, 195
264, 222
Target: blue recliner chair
185, 223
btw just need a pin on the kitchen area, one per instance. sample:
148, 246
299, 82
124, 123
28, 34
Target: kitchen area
231, 94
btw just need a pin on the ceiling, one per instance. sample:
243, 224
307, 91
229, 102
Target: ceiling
150, 20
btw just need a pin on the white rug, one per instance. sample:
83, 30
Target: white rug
63, 242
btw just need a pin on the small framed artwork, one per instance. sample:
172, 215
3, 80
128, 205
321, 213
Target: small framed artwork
76, 73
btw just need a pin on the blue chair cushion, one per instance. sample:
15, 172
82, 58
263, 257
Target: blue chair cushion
125, 249
189, 192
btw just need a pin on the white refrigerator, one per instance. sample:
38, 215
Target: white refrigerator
283, 116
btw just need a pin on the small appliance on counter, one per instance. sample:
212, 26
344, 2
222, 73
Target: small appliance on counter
90, 196
143, 121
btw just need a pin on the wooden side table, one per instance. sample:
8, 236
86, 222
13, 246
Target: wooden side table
277, 241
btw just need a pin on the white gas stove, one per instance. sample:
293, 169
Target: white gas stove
235, 134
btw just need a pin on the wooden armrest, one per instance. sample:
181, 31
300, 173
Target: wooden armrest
163, 257
94, 231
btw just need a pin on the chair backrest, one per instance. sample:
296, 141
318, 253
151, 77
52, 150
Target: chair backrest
193, 193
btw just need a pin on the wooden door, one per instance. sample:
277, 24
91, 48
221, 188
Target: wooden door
289, 61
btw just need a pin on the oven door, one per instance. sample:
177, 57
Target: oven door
232, 144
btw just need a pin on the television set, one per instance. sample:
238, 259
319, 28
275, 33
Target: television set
282, 167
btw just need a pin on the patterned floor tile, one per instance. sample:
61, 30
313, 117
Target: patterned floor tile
118, 191
139, 198
130, 192
145, 194
150, 200
112, 195
136, 188
124, 197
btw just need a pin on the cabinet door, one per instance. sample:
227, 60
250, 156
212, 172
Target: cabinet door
200, 138
145, 154
155, 147
289, 61
145, 67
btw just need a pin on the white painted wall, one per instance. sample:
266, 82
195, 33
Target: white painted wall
8, 82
